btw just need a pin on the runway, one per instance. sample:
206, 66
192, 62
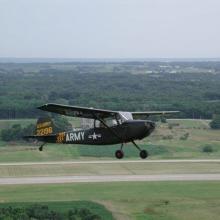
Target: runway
126, 174
109, 178
111, 162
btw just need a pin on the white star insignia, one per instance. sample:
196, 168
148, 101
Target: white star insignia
94, 136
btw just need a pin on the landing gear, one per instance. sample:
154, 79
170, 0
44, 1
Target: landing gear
41, 147
143, 153
119, 153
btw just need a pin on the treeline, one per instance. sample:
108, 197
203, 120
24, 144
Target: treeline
116, 87
40, 212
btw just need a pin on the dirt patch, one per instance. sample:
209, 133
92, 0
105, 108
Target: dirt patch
150, 211
116, 212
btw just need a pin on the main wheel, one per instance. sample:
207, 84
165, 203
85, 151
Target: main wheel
119, 154
143, 154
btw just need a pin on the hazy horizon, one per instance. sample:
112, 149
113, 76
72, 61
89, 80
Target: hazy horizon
101, 29
24, 60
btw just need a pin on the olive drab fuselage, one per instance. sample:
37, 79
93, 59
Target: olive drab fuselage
122, 133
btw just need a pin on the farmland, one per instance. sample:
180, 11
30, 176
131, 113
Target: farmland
155, 200
125, 200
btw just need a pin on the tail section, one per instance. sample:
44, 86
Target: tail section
47, 132
44, 127
44, 131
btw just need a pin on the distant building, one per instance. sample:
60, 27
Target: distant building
148, 71
173, 71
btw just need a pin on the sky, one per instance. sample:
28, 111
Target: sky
110, 28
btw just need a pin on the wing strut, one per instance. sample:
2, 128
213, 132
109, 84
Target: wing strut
111, 130
136, 145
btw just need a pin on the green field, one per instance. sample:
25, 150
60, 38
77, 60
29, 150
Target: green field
142, 200
125, 200
166, 142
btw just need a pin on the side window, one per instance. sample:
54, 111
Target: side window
109, 122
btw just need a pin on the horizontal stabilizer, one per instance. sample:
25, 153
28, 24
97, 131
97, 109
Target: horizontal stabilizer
40, 137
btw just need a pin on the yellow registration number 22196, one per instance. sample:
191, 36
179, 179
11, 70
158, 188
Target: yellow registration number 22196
44, 131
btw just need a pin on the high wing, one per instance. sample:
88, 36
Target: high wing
76, 111
149, 113
84, 112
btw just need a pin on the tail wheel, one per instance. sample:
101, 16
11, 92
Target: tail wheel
119, 154
41, 147
143, 154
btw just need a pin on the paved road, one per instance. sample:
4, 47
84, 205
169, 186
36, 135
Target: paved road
111, 162
109, 178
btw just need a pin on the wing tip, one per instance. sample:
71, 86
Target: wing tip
43, 107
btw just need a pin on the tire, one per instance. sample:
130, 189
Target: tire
143, 154
119, 154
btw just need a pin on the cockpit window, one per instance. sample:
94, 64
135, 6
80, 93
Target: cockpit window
109, 122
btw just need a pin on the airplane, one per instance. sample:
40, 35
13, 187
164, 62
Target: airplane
109, 127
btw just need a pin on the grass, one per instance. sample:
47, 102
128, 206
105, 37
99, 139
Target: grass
157, 144
141, 200
31, 153
190, 123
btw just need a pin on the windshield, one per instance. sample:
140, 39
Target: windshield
124, 116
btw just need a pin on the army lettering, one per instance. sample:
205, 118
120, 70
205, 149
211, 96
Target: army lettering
75, 136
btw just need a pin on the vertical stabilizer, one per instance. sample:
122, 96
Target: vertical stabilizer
44, 126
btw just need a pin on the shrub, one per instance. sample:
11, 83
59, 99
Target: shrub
207, 149
167, 137
163, 120
16, 132
170, 126
184, 137
215, 123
